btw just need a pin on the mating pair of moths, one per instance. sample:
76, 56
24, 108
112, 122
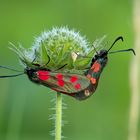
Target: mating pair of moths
79, 86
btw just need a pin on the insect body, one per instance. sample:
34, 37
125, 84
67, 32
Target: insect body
79, 86
75, 85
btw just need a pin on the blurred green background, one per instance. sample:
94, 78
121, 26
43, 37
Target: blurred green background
25, 108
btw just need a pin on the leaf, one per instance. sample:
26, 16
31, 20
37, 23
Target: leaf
44, 55
64, 49
82, 63
21, 53
66, 60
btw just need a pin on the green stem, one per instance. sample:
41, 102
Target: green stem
58, 121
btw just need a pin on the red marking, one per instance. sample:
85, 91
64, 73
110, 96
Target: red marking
73, 79
43, 75
61, 83
77, 86
96, 67
93, 80
59, 76
88, 76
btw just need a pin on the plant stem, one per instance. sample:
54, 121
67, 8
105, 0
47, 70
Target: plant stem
58, 121
135, 77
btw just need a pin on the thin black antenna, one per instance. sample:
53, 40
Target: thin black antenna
7, 76
95, 49
5, 67
14, 75
118, 38
124, 51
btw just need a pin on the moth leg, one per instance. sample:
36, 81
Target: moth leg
35, 57
46, 64
48, 60
35, 64
47, 54
61, 67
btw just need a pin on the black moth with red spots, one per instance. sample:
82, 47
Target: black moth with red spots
79, 86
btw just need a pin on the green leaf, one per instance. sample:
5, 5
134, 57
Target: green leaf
44, 55
82, 63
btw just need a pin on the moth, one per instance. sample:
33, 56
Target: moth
79, 86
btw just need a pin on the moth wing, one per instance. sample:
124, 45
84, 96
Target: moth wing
66, 82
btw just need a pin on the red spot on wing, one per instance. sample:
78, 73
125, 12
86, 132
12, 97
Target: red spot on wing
88, 76
59, 76
96, 67
43, 75
73, 79
93, 80
60, 80
61, 83
77, 86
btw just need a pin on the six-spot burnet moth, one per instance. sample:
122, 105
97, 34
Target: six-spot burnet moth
79, 86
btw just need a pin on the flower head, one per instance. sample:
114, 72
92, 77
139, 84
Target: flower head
57, 48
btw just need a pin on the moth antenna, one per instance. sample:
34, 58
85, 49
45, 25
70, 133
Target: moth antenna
15, 75
132, 50
5, 67
117, 39
95, 49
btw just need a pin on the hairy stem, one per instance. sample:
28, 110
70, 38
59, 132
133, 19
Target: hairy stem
58, 121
